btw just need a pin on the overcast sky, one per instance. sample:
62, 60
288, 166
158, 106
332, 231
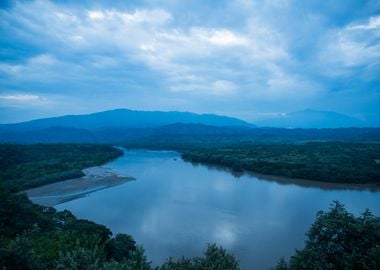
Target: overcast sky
250, 59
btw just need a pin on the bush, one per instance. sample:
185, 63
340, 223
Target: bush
339, 240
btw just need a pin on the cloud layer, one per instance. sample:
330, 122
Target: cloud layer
243, 58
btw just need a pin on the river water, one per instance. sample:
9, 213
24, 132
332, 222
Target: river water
175, 208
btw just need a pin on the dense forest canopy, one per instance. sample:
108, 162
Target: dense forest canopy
27, 166
339, 240
37, 237
357, 163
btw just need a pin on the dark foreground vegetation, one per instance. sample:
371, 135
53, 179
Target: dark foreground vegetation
357, 163
339, 240
36, 237
28, 166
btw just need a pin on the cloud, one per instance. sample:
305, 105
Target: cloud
373, 23
351, 47
223, 87
115, 37
249, 56
33, 64
12, 99
201, 86
220, 37
155, 16
225, 233
20, 97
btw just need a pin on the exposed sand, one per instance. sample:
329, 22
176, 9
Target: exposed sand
95, 178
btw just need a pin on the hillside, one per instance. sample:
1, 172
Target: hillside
124, 118
126, 126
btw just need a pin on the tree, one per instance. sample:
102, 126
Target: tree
19, 255
215, 258
79, 259
120, 247
339, 240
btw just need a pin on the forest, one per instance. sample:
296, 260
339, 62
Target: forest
36, 237
338, 162
24, 166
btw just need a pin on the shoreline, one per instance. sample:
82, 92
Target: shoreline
283, 180
306, 183
95, 179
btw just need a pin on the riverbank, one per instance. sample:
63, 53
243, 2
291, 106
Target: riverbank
96, 178
282, 180
341, 164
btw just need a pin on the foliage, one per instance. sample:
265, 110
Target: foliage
27, 166
17, 214
36, 237
136, 260
339, 240
57, 240
120, 246
19, 255
215, 258
327, 162
192, 137
79, 259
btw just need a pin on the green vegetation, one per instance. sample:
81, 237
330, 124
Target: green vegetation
215, 258
27, 166
339, 240
36, 237
195, 137
328, 162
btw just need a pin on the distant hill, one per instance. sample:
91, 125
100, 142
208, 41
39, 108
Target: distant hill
311, 119
167, 128
124, 118
200, 129
119, 125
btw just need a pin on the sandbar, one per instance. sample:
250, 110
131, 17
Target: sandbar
95, 178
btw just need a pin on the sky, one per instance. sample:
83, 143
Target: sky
248, 59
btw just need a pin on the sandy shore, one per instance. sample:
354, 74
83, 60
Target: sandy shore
95, 178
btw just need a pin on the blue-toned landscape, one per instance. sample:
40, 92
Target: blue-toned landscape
196, 204
189, 135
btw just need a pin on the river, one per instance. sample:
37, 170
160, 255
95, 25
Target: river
175, 208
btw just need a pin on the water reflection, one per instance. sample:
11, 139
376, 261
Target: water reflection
291, 181
175, 208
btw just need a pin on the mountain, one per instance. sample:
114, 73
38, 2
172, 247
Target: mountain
200, 129
122, 126
124, 118
119, 125
311, 119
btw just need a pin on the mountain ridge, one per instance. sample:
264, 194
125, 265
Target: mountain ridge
125, 118
122, 125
